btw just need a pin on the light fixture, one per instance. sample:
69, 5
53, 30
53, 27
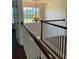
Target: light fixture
36, 17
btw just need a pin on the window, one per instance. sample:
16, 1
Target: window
13, 12
29, 12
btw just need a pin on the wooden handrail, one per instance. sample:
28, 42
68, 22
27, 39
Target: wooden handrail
41, 45
55, 25
53, 20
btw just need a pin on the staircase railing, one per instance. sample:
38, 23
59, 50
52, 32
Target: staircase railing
41, 45
57, 43
58, 50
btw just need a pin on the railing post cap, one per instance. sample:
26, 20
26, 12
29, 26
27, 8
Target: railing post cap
21, 23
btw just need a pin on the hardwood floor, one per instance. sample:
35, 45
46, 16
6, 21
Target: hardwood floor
18, 53
17, 50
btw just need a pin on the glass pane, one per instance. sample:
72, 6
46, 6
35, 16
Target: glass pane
29, 12
12, 15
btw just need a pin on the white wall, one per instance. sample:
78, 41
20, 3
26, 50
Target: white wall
55, 14
31, 49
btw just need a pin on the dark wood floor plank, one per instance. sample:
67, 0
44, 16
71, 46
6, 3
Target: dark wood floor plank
17, 50
19, 53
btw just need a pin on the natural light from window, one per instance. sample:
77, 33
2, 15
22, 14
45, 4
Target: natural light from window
28, 13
